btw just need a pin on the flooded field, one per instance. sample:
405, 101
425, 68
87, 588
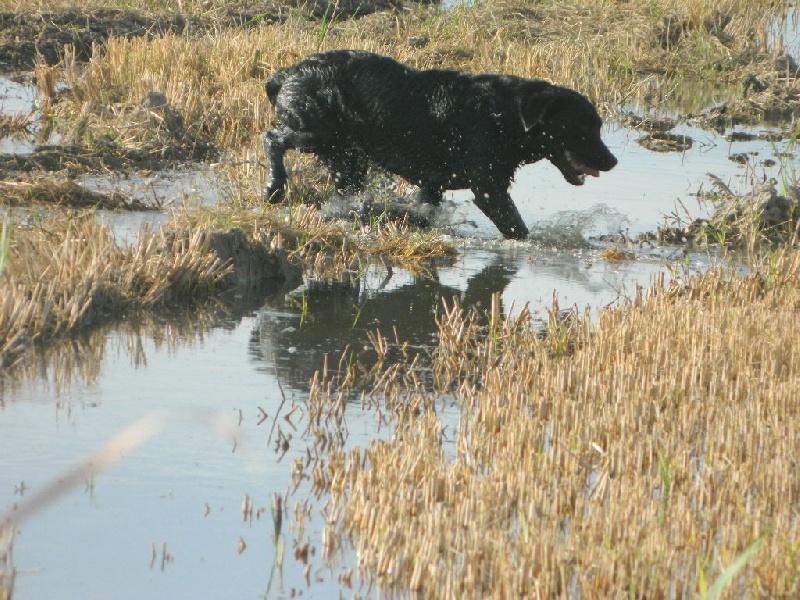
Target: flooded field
227, 389
182, 492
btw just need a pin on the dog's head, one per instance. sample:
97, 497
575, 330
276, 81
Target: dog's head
564, 127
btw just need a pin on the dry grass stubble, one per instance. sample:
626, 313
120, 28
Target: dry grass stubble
636, 459
70, 274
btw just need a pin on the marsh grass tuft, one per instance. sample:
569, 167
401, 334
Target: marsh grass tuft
326, 248
65, 275
16, 126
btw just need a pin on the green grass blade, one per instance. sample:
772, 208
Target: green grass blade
724, 580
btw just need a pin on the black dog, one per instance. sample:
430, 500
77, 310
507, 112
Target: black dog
442, 130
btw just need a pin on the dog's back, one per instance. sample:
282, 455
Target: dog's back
336, 66
407, 120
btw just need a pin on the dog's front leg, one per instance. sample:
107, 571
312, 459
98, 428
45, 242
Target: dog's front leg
499, 207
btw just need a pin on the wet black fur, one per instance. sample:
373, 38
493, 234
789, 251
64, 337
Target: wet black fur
442, 130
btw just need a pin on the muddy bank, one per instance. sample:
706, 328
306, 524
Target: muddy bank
765, 217
75, 160
68, 275
65, 193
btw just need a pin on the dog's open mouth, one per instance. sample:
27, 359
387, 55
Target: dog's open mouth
580, 168
575, 171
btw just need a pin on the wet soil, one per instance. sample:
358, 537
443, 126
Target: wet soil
66, 193
74, 160
26, 36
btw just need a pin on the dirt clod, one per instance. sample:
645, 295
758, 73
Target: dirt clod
251, 260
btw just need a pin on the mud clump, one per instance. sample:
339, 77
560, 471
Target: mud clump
764, 216
664, 141
764, 205
74, 160
251, 261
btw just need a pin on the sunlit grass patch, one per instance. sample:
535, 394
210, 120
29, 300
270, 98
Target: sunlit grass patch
655, 456
324, 247
637, 52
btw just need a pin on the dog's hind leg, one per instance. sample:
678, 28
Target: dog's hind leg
276, 142
503, 213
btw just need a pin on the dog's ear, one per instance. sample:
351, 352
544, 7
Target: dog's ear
533, 107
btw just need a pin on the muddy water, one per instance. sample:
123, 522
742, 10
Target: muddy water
16, 99
181, 494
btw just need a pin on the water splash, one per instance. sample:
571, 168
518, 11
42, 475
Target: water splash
571, 229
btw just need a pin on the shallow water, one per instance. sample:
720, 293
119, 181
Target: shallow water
185, 488
16, 98
647, 189
182, 492
785, 33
